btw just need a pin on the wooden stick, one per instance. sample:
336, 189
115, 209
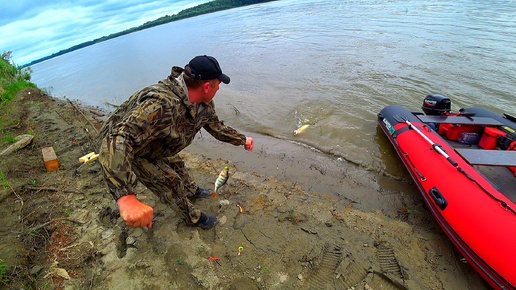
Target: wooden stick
51, 221
77, 109
38, 189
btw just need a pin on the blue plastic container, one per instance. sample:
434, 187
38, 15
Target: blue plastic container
468, 138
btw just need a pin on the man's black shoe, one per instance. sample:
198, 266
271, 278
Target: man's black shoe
201, 192
206, 222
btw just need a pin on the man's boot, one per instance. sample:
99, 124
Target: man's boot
206, 222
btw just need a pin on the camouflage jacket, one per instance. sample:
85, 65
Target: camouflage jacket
155, 122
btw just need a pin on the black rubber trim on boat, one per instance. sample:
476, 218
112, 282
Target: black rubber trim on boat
399, 131
404, 129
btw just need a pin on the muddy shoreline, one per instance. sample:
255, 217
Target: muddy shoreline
308, 220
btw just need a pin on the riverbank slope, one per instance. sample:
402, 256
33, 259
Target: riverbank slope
61, 229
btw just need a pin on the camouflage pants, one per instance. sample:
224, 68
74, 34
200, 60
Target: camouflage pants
170, 181
166, 177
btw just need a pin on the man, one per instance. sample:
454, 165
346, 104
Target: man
141, 139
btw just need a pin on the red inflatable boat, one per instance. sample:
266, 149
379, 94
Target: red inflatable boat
464, 165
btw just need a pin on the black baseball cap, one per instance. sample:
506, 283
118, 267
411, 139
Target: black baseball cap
204, 67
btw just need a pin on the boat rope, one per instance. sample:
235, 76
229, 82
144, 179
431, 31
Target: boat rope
439, 149
502, 203
421, 176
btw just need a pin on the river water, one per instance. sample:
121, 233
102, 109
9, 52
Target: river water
332, 64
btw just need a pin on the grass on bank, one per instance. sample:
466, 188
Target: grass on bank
3, 279
13, 79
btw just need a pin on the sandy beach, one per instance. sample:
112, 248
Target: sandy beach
290, 218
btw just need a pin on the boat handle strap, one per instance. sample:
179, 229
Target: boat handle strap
438, 198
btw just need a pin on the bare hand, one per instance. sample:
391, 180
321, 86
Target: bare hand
135, 213
249, 143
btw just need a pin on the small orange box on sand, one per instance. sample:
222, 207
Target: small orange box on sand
50, 158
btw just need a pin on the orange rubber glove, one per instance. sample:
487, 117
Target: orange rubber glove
135, 213
249, 143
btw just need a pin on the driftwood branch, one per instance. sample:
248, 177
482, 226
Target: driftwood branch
38, 189
33, 229
84, 116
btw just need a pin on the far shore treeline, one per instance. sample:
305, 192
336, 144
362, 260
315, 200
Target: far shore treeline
213, 6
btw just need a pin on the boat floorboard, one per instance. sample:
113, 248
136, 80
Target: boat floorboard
495, 171
488, 157
486, 121
502, 178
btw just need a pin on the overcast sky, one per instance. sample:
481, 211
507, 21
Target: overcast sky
32, 29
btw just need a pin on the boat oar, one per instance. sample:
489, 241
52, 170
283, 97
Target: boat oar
438, 148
